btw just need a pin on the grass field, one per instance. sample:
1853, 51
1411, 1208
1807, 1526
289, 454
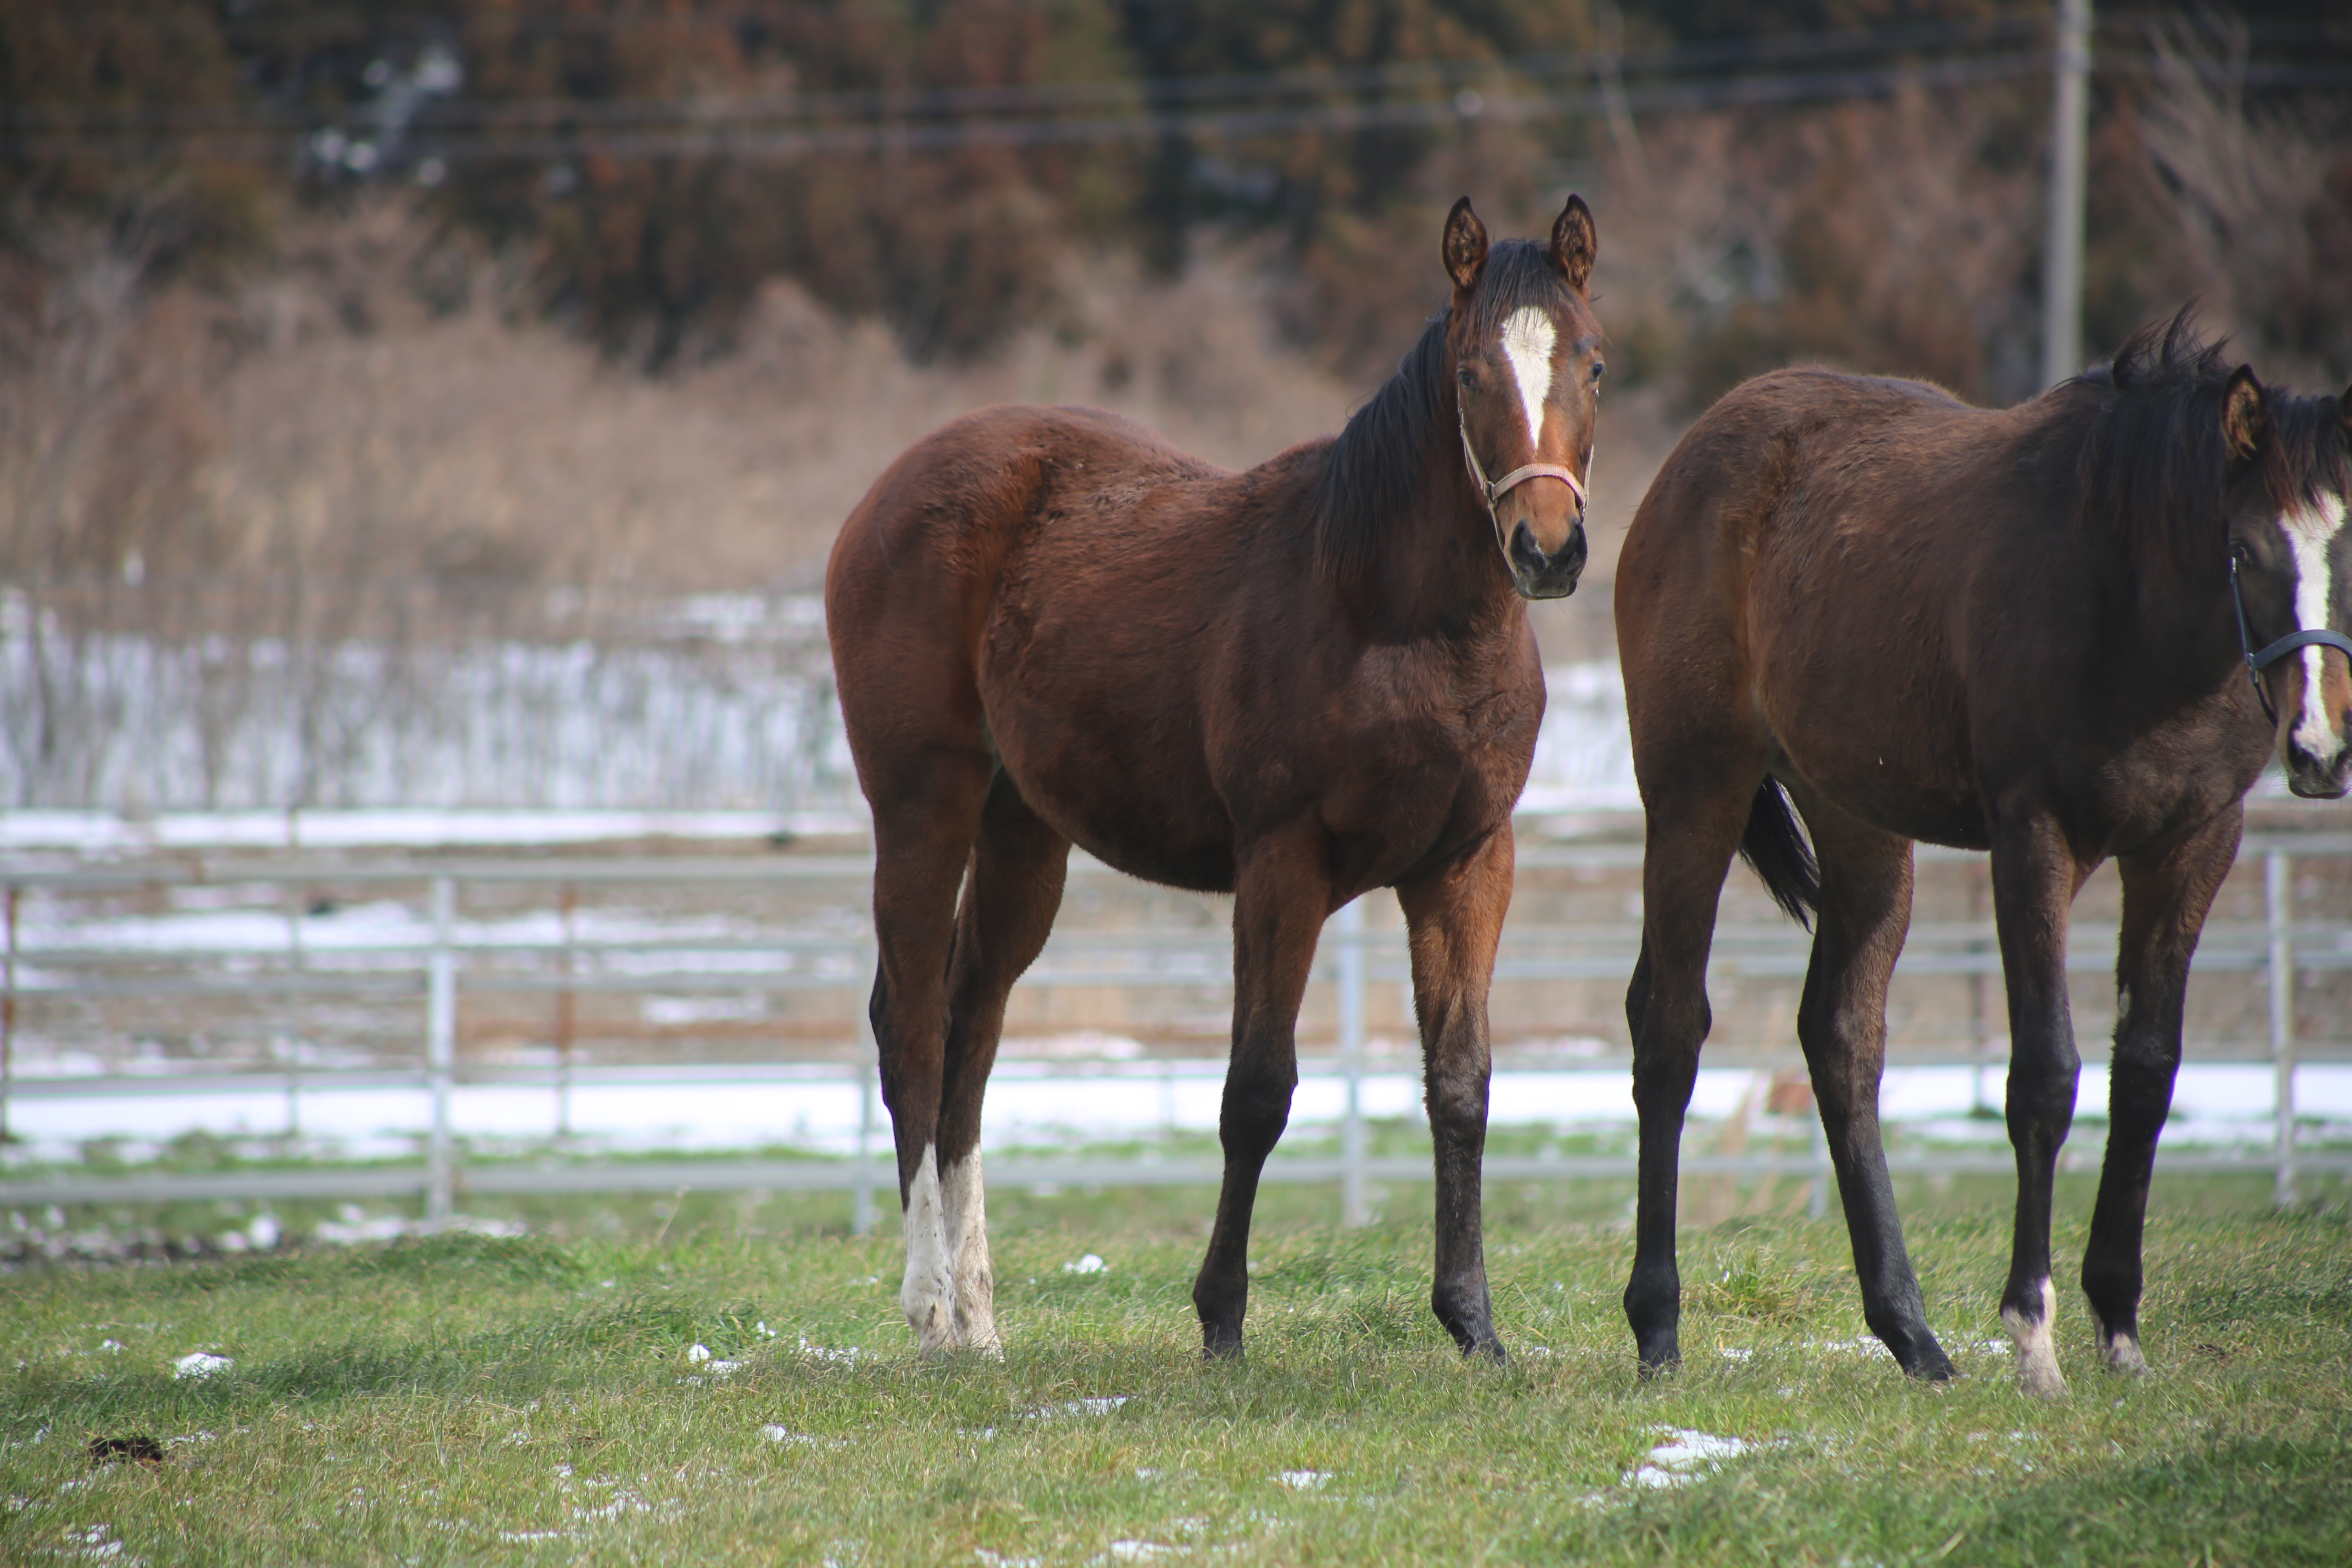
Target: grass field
541, 1398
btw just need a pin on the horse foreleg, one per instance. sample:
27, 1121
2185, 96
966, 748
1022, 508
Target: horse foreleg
1454, 921
1865, 911
2165, 896
1281, 897
1688, 846
2035, 879
922, 837
1015, 888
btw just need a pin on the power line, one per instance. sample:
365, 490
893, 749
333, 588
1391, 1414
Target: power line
747, 129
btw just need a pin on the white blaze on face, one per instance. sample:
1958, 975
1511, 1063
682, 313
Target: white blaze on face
1528, 340
2310, 531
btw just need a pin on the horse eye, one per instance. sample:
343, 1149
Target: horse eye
2240, 554
1467, 378
1598, 370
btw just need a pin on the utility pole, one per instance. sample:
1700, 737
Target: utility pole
2062, 267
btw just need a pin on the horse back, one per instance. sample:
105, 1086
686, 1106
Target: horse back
1813, 578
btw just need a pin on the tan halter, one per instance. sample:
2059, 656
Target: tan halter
1491, 493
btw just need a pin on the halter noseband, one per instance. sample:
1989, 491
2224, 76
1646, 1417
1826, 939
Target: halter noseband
2258, 662
1491, 493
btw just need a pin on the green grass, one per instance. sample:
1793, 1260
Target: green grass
469, 1399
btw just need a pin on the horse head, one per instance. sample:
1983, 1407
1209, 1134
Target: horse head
2290, 567
1525, 357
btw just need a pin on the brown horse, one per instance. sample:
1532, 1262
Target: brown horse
1294, 684
2010, 631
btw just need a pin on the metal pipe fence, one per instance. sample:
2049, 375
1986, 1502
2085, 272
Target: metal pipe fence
443, 966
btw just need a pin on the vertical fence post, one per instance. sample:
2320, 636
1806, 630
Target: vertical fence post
440, 1048
2278, 889
1352, 1211
567, 899
1817, 1186
8, 1016
295, 1021
2061, 261
869, 1073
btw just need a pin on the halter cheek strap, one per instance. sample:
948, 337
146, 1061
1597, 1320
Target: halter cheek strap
2258, 662
1489, 493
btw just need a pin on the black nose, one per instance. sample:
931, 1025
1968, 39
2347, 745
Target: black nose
1542, 576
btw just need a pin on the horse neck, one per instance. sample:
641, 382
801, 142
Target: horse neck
2178, 642
1441, 576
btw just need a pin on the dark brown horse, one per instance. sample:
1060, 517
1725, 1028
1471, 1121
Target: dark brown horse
2009, 631
1296, 684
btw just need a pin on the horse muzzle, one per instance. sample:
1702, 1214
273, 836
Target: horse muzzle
2313, 778
1537, 576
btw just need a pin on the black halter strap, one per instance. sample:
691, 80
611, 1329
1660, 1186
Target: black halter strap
2258, 662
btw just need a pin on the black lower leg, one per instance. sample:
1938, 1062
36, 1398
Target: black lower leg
1255, 1113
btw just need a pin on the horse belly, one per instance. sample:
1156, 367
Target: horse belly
1109, 769
1901, 773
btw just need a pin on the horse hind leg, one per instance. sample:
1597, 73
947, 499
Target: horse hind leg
1010, 900
1697, 811
926, 810
1865, 913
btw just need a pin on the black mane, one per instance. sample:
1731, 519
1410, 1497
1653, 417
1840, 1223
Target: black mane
1372, 479
2153, 464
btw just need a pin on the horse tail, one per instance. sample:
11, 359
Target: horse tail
1775, 849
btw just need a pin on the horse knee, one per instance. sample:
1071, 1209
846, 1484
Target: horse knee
1457, 1104
2041, 1096
1256, 1109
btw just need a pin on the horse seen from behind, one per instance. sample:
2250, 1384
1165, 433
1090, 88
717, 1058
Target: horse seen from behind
2027, 632
1296, 684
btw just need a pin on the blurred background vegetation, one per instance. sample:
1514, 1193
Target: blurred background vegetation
486, 292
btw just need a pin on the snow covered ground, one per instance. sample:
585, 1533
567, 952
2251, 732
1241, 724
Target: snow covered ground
1039, 1103
720, 705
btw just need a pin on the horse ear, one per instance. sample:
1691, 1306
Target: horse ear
2245, 416
1465, 247
1574, 243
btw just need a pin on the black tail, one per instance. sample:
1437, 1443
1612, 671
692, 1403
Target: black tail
1774, 847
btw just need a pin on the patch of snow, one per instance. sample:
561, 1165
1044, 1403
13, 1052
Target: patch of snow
1139, 1551
1684, 1457
1103, 1405
785, 1435
96, 1544
199, 1364
1091, 1263
1304, 1481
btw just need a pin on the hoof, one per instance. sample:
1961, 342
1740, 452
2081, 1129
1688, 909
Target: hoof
2122, 1354
1488, 1351
1927, 1363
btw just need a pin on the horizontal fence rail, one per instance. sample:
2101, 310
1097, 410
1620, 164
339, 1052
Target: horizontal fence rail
439, 963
